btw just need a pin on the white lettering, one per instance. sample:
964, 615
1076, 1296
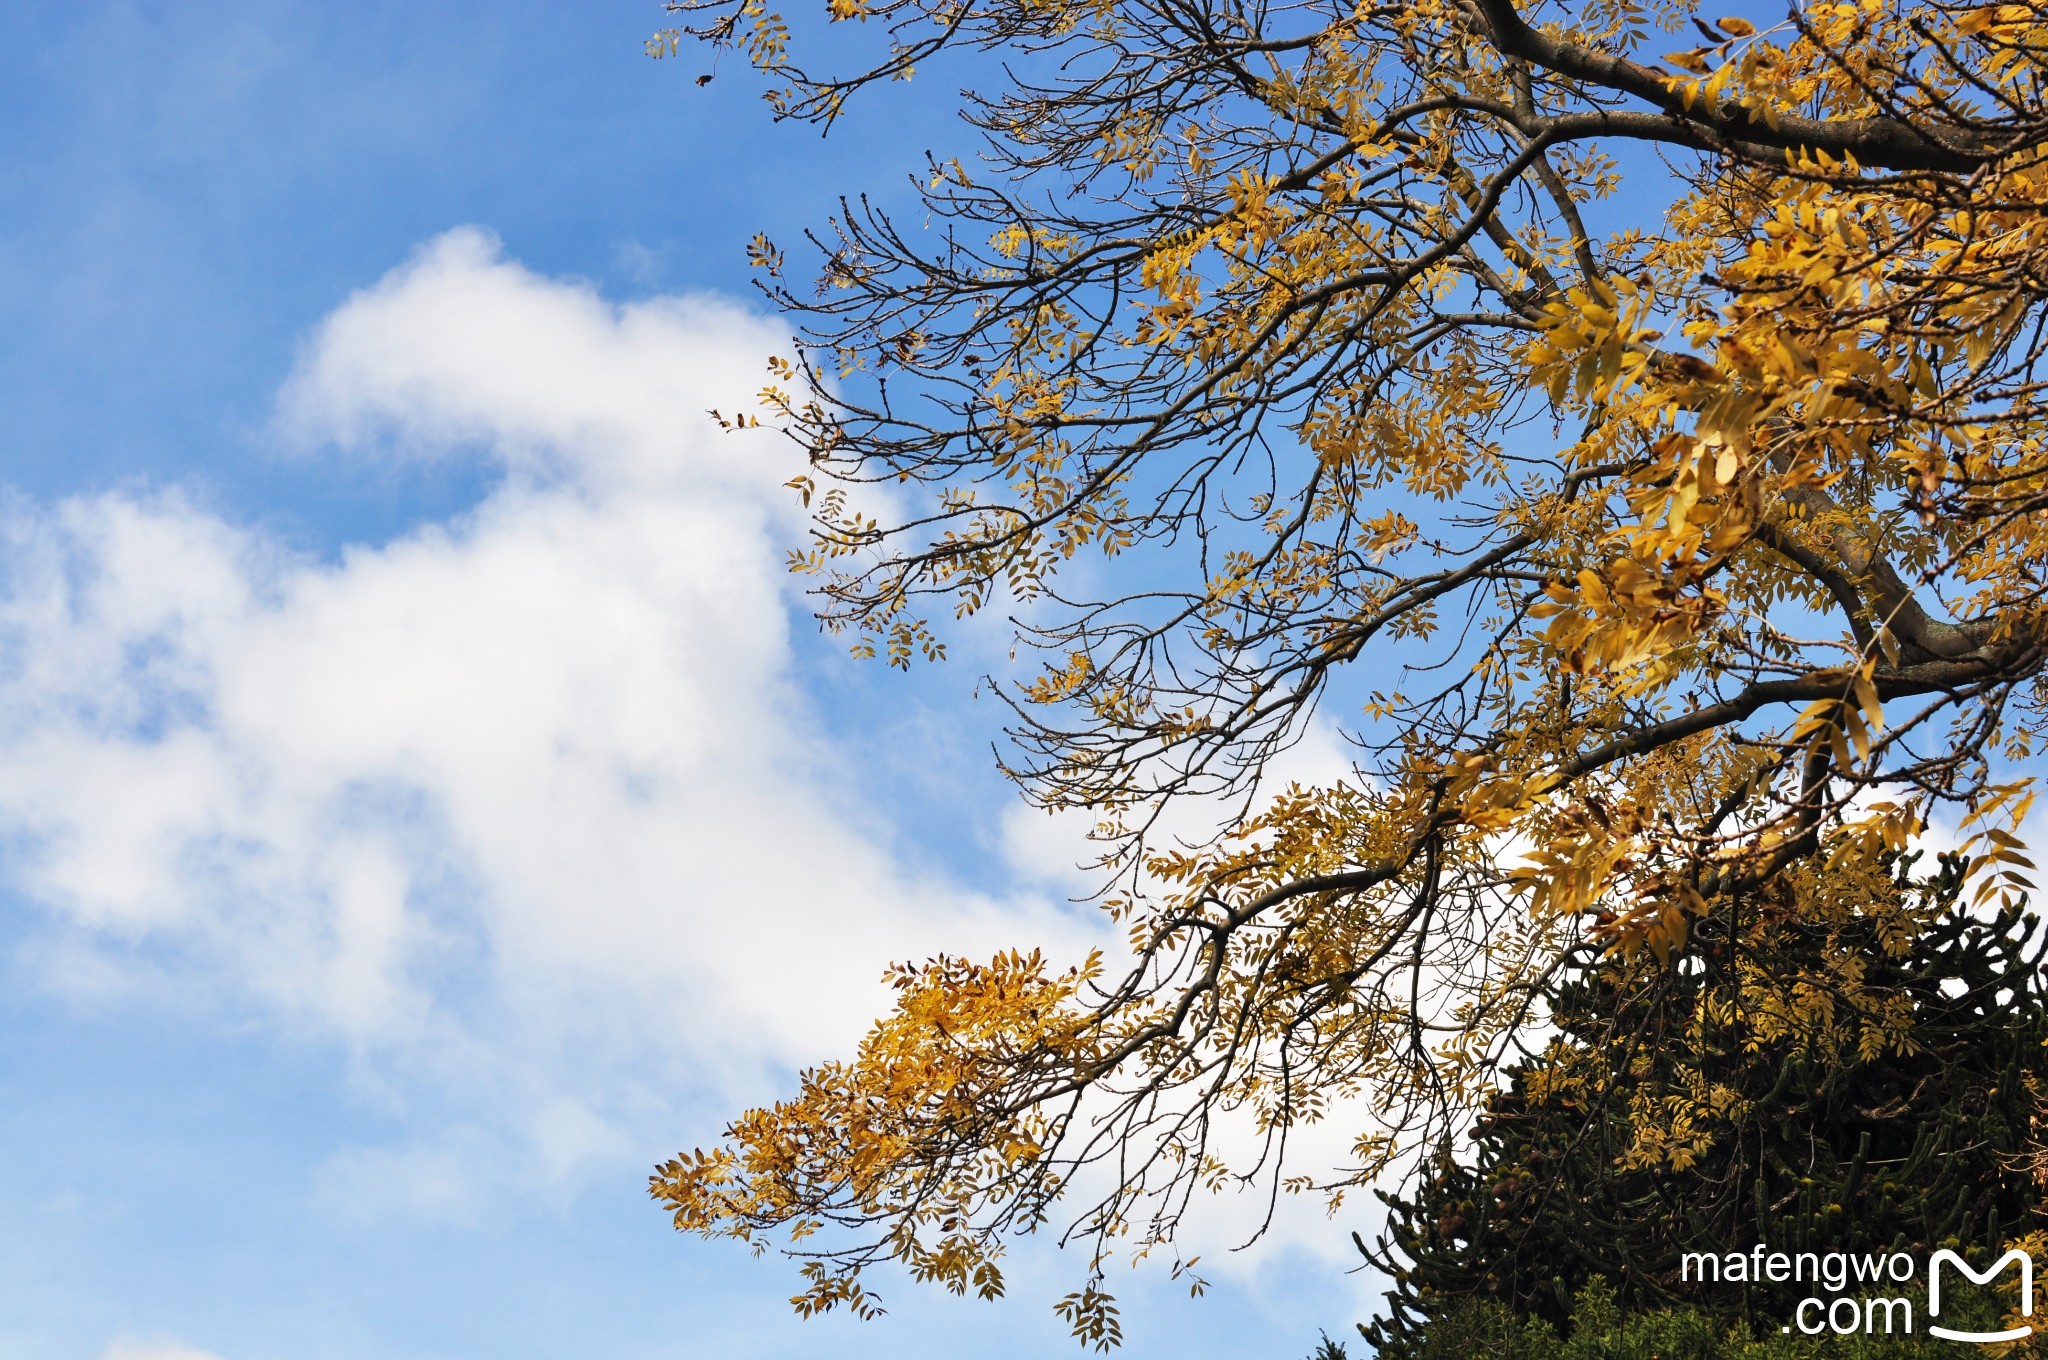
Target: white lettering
1870, 1307
1835, 1270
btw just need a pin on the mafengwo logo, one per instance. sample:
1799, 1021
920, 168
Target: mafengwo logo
2015, 1256
1838, 1272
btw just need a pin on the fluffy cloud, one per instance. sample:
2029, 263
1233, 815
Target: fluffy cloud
523, 805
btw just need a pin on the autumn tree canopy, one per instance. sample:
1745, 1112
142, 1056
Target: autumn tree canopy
1623, 423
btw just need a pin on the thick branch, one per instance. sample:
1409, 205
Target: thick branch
1887, 142
1896, 608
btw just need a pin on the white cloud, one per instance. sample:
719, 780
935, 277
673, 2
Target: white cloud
128, 1348
524, 806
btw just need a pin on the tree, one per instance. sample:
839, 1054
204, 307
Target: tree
1603, 1330
1644, 456
1902, 1124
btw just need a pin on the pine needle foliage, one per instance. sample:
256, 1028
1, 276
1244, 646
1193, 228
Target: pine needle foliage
1601, 1329
1675, 1112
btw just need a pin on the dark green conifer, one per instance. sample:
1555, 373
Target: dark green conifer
1812, 1076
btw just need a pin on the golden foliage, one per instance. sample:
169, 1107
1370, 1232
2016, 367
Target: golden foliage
1671, 529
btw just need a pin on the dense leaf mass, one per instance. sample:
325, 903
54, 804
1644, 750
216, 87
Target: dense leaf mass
1602, 1329
1694, 1110
1638, 453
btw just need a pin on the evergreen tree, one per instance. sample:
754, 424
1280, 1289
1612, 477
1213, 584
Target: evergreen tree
1816, 1075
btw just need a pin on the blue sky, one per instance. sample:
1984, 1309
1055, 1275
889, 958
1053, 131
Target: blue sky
423, 802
